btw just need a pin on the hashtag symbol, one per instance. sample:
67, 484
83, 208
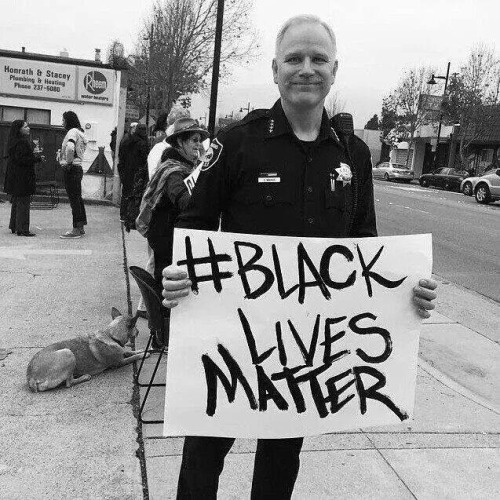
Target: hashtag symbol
213, 259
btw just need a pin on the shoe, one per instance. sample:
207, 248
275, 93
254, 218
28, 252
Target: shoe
71, 235
82, 231
142, 314
156, 345
26, 233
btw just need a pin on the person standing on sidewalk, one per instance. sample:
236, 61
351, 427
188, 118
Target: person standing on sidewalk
133, 160
71, 157
154, 160
316, 184
20, 180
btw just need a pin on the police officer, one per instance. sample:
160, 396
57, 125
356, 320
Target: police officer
281, 171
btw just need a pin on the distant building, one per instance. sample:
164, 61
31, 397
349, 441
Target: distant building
39, 88
372, 140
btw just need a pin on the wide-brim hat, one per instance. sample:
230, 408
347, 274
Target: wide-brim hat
185, 125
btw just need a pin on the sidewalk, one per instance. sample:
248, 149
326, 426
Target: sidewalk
83, 443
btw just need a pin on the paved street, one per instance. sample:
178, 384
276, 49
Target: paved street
465, 234
85, 442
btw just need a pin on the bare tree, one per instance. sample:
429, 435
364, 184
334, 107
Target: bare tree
473, 94
175, 48
404, 106
334, 104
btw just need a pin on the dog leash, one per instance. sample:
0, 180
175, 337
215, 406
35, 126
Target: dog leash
125, 270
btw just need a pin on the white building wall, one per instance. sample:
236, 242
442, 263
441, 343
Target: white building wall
97, 120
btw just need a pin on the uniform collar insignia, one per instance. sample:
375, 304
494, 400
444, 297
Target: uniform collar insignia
271, 126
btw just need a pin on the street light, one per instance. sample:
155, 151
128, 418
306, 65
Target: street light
247, 109
432, 81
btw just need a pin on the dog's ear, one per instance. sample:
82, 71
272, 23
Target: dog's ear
115, 312
132, 321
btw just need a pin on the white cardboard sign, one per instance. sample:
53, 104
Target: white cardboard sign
286, 337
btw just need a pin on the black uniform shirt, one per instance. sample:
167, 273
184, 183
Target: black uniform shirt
260, 179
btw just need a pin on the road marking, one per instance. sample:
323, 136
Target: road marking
409, 208
20, 253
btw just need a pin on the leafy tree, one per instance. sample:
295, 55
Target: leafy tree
372, 123
175, 48
471, 97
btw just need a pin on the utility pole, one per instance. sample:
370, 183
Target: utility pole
148, 95
432, 81
215, 68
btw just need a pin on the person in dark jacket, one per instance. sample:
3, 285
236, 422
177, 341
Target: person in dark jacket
133, 156
166, 195
20, 180
112, 143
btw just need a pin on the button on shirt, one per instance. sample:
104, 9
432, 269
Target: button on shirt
260, 179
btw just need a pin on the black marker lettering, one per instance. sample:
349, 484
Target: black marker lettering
368, 273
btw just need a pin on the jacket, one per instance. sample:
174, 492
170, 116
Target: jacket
133, 155
259, 178
20, 177
166, 196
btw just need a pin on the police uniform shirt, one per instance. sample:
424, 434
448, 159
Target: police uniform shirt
259, 178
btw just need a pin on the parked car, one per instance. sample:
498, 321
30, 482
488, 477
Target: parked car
486, 187
446, 178
392, 172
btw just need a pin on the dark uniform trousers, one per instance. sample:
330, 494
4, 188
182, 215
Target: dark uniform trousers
275, 471
262, 180
73, 183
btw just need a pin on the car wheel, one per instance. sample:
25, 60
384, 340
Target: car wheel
483, 194
386, 177
467, 189
424, 183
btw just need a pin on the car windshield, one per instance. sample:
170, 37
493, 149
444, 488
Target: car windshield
459, 172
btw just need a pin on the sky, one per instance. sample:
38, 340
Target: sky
377, 41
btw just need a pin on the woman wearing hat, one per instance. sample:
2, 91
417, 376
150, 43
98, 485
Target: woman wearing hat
166, 194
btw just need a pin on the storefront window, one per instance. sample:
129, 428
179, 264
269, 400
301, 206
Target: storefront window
10, 114
32, 116
39, 116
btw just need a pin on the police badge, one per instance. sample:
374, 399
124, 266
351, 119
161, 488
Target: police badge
212, 155
344, 174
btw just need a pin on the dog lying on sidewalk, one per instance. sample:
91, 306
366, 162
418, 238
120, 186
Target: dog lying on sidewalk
76, 360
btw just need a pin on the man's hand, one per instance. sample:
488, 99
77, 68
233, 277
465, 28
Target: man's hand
423, 295
175, 285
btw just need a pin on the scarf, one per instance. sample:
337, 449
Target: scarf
155, 190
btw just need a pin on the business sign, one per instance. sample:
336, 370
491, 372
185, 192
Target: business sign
25, 78
429, 102
285, 337
55, 81
132, 112
95, 85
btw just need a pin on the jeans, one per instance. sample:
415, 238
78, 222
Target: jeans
20, 214
275, 471
73, 184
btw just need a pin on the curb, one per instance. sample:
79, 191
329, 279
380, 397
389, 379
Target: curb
64, 199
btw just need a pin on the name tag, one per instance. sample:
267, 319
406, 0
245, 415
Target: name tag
268, 177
